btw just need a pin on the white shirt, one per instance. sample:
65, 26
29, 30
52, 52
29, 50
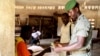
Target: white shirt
36, 34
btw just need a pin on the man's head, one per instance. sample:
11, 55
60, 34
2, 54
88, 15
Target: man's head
65, 18
72, 7
26, 32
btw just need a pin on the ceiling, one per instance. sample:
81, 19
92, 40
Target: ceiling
40, 2
54, 2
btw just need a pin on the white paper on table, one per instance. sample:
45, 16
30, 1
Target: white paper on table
35, 48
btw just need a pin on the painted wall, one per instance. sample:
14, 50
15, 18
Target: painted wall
88, 13
7, 25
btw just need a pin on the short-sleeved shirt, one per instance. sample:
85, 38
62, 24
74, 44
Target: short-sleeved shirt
82, 28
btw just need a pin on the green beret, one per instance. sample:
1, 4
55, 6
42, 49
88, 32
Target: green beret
70, 4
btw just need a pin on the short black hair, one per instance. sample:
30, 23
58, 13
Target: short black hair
65, 14
77, 5
25, 30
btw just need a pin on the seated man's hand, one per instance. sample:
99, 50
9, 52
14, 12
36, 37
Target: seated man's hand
58, 44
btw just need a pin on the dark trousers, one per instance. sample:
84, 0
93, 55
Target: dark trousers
34, 41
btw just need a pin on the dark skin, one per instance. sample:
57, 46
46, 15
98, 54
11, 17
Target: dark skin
73, 14
65, 19
58, 44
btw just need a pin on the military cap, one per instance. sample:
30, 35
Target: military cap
70, 4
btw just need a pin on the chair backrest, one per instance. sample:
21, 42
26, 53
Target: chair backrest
94, 33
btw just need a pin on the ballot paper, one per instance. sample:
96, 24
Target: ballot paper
35, 48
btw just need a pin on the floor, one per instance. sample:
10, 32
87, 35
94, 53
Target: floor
96, 49
47, 42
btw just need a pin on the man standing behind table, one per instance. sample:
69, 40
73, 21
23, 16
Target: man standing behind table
80, 42
65, 32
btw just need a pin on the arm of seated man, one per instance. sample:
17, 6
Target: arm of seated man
58, 44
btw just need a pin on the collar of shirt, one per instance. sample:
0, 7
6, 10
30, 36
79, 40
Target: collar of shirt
79, 17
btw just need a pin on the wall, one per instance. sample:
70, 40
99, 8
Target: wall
7, 25
98, 19
88, 13
93, 14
